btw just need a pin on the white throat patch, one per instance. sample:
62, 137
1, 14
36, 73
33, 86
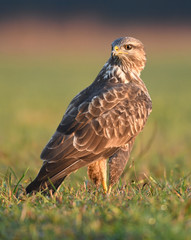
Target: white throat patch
117, 72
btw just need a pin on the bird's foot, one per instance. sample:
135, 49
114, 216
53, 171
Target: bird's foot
109, 190
104, 184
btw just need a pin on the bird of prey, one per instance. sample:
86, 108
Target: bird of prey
100, 123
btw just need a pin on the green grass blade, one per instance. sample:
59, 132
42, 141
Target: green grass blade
15, 189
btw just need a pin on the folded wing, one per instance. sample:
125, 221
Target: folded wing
92, 128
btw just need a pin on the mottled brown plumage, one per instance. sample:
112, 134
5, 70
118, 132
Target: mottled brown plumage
101, 122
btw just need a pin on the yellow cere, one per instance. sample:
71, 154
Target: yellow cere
116, 48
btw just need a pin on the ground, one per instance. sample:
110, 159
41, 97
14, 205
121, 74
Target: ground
153, 197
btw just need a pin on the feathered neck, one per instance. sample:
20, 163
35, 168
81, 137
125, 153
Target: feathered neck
129, 64
125, 72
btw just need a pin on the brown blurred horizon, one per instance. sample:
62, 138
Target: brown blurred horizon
30, 36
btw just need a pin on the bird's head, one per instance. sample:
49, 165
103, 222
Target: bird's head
129, 53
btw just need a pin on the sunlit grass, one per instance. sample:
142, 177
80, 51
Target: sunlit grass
152, 209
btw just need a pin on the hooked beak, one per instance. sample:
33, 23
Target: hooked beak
116, 51
116, 48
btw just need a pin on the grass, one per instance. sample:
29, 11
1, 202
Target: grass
153, 197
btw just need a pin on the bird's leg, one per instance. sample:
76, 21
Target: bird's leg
103, 174
117, 163
97, 172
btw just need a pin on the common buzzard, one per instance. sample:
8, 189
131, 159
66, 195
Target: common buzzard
100, 123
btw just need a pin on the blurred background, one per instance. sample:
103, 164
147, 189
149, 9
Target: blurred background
50, 50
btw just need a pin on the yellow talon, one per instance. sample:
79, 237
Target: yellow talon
104, 184
109, 190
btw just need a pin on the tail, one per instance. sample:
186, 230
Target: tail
53, 173
43, 183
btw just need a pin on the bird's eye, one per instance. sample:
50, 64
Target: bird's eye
128, 47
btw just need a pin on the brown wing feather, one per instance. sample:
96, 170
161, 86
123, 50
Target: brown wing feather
119, 121
93, 130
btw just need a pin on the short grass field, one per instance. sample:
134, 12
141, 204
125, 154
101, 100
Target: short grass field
152, 199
